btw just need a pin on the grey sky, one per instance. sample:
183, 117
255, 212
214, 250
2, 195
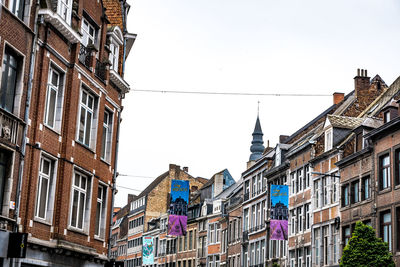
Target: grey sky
240, 46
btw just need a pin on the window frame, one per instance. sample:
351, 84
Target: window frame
94, 118
389, 226
59, 98
20, 12
103, 211
87, 201
106, 141
64, 10
328, 139
384, 170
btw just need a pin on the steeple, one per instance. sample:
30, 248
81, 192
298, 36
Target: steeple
257, 145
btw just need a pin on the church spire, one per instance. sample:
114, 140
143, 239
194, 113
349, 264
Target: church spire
257, 145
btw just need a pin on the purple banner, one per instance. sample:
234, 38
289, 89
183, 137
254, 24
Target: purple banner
279, 230
177, 225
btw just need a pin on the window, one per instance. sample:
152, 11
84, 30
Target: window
46, 186
335, 244
386, 116
325, 190
386, 228
53, 108
99, 229
299, 180
106, 138
190, 240
307, 217
325, 244
359, 141
316, 193
114, 55
316, 245
365, 188
346, 234
64, 9
345, 195
88, 33
328, 139
397, 167
308, 256
293, 222
384, 171
17, 7
80, 197
354, 192
9, 80
396, 237
293, 182
334, 185
86, 127
299, 219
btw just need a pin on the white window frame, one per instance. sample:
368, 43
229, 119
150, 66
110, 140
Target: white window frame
64, 10
106, 141
114, 55
102, 201
88, 109
86, 26
328, 139
86, 192
55, 124
49, 197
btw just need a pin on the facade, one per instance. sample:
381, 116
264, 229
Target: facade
61, 106
16, 61
148, 216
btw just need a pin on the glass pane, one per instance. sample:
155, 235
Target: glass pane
74, 208
51, 108
54, 78
97, 224
88, 126
82, 124
45, 167
83, 182
103, 143
387, 218
84, 97
43, 198
90, 102
77, 179
81, 209
10, 89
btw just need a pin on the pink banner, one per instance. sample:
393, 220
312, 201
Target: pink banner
278, 230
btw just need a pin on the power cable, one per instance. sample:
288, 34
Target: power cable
124, 187
224, 93
136, 176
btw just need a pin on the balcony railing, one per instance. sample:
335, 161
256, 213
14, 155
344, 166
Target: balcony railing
100, 70
85, 56
9, 127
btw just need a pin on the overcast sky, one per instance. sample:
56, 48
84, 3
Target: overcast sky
250, 46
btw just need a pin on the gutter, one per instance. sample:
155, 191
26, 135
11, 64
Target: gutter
26, 118
114, 180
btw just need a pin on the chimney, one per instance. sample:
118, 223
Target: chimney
337, 98
186, 169
361, 83
282, 138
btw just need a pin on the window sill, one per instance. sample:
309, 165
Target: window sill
77, 230
396, 187
105, 161
98, 238
51, 129
43, 221
85, 146
386, 190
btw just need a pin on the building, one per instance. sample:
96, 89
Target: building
71, 110
17, 35
148, 216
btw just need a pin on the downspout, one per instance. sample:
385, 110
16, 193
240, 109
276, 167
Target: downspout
26, 118
114, 180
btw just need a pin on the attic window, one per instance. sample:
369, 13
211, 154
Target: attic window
328, 139
386, 116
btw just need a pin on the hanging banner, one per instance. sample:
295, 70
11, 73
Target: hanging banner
147, 252
279, 212
177, 220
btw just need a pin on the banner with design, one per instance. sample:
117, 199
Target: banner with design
147, 251
179, 201
279, 212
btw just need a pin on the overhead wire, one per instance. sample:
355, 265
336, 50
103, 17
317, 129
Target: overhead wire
225, 93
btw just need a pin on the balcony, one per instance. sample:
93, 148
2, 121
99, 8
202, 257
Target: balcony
118, 81
101, 70
85, 56
11, 127
60, 24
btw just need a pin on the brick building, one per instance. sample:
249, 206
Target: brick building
71, 112
17, 34
148, 216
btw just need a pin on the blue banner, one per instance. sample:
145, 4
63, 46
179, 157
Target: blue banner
279, 212
179, 202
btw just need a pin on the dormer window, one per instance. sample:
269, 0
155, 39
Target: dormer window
278, 157
116, 40
328, 139
386, 116
64, 9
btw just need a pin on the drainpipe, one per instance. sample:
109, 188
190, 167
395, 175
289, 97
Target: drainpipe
26, 118
114, 180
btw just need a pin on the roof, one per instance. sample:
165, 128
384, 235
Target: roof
344, 121
153, 184
211, 181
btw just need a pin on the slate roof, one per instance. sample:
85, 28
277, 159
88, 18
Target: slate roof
344, 122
